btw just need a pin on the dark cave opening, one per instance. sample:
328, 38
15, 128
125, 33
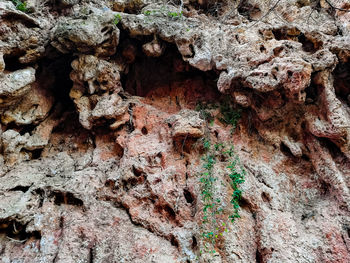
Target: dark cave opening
167, 79
146, 73
12, 60
342, 81
53, 73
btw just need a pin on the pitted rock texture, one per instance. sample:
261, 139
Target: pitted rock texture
101, 137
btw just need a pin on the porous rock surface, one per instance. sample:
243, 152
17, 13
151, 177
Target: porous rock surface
101, 145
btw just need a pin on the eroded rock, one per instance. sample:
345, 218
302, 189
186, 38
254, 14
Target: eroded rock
103, 175
95, 33
15, 85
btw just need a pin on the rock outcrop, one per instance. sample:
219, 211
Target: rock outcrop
107, 107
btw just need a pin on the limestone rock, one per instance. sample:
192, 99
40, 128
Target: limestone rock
90, 172
95, 33
32, 109
92, 76
15, 85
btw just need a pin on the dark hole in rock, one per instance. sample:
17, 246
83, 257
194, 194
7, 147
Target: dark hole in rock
11, 61
66, 198
249, 10
144, 130
53, 72
307, 215
305, 157
110, 184
325, 187
137, 172
174, 242
348, 231
169, 212
119, 150
331, 146
265, 197
22, 129
308, 44
216, 134
36, 154
312, 92
244, 204
106, 29
20, 188
258, 257
61, 222
341, 81
15, 18
280, 34
17, 231
154, 78
194, 242
286, 151
188, 196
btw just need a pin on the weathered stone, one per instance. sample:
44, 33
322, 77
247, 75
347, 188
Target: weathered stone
153, 48
31, 110
103, 175
15, 85
94, 33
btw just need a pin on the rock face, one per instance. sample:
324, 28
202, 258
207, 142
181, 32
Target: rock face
107, 108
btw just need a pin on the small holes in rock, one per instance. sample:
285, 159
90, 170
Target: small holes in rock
277, 51
188, 196
105, 29
66, 198
244, 204
20, 188
144, 130
258, 257
305, 157
285, 150
137, 172
36, 154
169, 212
194, 242
174, 242
310, 45
265, 197
216, 134
325, 188
262, 48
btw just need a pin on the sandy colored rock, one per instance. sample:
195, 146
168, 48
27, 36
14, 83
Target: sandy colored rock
15, 85
107, 108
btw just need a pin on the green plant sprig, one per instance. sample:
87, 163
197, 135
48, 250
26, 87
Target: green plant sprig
214, 221
21, 6
117, 19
